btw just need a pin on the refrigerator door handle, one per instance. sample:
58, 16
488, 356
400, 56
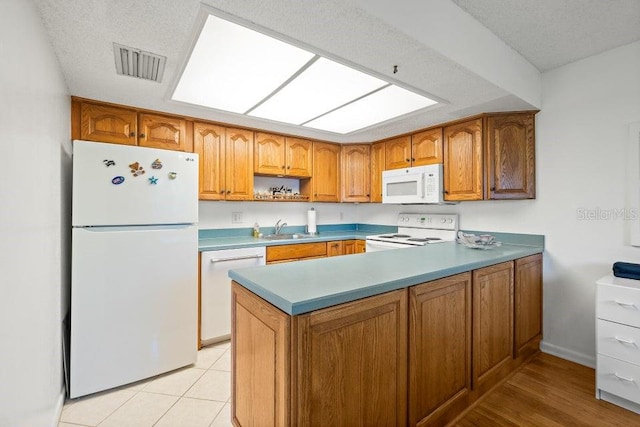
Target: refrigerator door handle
236, 258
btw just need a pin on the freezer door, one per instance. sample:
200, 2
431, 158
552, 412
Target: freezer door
124, 185
134, 304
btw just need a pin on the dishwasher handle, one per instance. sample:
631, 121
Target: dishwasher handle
236, 258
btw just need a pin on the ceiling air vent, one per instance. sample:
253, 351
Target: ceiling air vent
138, 63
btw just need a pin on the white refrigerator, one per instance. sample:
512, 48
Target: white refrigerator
134, 308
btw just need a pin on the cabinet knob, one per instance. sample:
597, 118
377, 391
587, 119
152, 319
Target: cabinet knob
142, 135
288, 167
367, 195
446, 191
132, 134
315, 195
228, 191
407, 160
413, 159
282, 166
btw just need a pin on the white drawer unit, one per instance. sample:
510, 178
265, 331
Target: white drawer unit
618, 341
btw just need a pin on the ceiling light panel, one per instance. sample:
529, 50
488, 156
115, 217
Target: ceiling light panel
233, 68
322, 87
378, 107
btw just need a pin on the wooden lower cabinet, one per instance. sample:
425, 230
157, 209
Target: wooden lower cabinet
335, 248
296, 252
260, 336
528, 305
341, 366
419, 356
351, 363
492, 324
439, 349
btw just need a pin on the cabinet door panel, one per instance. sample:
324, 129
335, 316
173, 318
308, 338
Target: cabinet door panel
269, 154
326, 172
209, 143
510, 157
426, 147
261, 352
439, 349
108, 124
299, 156
398, 153
165, 132
239, 164
492, 323
377, 166
335, 248
463, 161
356, 179
528, 301
352, 363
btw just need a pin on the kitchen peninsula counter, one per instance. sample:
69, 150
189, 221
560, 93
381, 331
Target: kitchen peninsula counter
301, 287
402, 337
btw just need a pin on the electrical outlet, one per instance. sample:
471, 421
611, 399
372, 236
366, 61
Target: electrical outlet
236, 217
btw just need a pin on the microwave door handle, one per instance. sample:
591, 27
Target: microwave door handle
422, 185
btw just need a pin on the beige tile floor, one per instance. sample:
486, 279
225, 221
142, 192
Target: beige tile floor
197, 395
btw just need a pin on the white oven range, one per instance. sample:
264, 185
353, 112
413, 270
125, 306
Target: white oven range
415, 229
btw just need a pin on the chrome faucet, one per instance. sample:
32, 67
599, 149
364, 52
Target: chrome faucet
279, 227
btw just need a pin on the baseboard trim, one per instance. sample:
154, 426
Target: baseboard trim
58, 408
565, 353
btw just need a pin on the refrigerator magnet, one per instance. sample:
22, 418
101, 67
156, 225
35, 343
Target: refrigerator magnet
172, 175
136, 169
157, 164
108, 163
117, 180
153, 180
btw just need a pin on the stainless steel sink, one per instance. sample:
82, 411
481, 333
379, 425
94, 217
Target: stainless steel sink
286, 236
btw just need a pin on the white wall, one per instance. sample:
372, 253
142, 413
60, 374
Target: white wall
34, 118
218, 214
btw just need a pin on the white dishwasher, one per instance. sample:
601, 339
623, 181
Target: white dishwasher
215, 309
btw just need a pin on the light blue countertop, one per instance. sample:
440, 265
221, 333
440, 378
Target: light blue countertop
235, 238
304, 286
217, 243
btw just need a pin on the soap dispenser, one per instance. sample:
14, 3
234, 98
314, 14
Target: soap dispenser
256, 230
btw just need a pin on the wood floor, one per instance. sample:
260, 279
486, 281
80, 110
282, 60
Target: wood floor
548, 391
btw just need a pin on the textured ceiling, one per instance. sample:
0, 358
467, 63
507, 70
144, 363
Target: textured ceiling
552, 33
82, 33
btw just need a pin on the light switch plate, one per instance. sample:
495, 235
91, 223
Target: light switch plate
236, 217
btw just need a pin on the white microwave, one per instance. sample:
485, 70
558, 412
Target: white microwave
417, 185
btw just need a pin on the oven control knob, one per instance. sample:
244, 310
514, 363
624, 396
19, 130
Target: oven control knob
450, 220
443, 220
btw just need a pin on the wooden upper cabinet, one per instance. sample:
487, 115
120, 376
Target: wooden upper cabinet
439, 349
269, 154
492, 324
103, 123
299, 156
169, 133
120, 125
280, 156
398, 153
463, 177
356, 178
239, 164
209, 144
426, 147
326, 172
510, 156
377, 166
